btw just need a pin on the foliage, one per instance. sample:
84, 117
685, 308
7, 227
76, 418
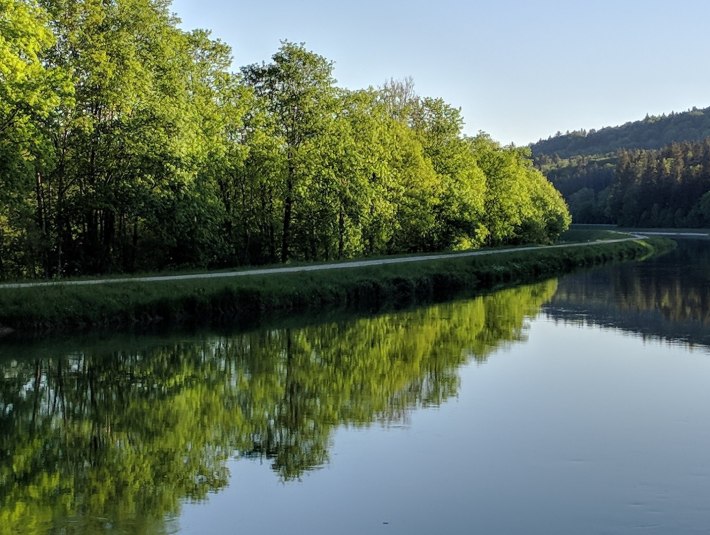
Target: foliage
663, 188
653, 132
668, 187
651, 173
521, 205
127, 144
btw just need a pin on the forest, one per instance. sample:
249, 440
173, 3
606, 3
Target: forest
652, 132
633, 181
128, 144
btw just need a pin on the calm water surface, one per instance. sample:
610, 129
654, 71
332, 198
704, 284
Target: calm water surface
573, 406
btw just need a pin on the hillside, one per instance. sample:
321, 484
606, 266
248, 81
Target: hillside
653, 132
653, 172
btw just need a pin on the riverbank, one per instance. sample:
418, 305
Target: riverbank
590, 231
138, 303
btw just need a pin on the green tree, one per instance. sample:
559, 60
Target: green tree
463, 184
521, 204
27, 87
127, 144
117, 144
506, 195
298, 87
30, 92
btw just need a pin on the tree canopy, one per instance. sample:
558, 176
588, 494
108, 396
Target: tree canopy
128, 144
667, 187
652, 132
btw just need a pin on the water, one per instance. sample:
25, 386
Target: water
573, 406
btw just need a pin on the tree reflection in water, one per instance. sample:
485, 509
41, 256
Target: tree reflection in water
108, 438
665, 298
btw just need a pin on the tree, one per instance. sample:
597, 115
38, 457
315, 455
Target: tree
298, 87
521, 204
463, 184
30, 91
127, 144
125, 177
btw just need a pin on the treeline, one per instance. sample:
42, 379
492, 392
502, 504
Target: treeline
579, 172
585, 183
663, 188
127, 144
669, 187
651, 173
653, 132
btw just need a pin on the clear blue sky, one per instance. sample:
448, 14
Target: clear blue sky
519, 69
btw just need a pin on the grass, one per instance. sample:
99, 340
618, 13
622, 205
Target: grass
250, 299
671, 231
581, 234
591, 232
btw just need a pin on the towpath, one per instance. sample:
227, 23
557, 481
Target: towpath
304, 268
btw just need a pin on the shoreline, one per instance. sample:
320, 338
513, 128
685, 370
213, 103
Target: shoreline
128, 304
325, 266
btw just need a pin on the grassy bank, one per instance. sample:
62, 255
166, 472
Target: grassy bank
591, 232
588, 233
251, 298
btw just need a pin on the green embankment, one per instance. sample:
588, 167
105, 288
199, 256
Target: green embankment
60, 307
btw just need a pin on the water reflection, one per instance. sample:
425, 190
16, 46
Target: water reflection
666, 298
113, 437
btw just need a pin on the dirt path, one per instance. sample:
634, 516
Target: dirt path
298, 269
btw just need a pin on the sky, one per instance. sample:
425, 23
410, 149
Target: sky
519, 70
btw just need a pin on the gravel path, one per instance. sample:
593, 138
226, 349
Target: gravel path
299, 269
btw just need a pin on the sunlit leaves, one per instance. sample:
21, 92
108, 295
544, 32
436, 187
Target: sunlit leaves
521, 205
128, 144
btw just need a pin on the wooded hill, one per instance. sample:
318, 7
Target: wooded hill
654, 172
653, 132
129, 144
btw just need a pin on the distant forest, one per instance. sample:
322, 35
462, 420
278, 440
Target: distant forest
653, 132
128, 144
649, 173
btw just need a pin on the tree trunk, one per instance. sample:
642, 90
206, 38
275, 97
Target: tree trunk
341, 232
41, 218
2, 252
134, 243
286, 234
108, 237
